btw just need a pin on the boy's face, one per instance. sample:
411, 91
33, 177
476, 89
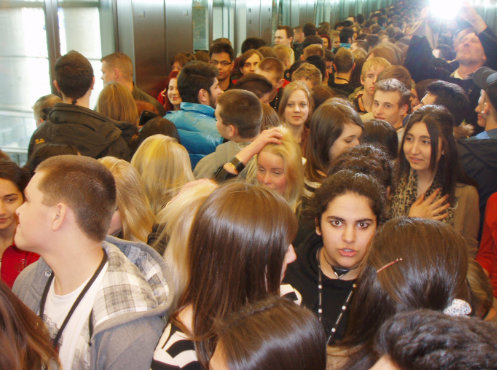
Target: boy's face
368, 80
34, 218
223, 63
386, 106
281, 38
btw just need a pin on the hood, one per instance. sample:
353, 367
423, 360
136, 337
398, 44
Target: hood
92, 131
484, 151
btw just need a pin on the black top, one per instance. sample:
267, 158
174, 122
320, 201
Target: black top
303, 276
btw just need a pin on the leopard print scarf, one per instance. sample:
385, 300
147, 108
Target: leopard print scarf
406, 194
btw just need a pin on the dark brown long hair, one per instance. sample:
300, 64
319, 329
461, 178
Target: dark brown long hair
24, 338
326, 126
430, 275
237, 246
273, 334
439, 123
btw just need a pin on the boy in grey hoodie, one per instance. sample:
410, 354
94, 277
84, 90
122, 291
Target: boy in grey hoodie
103, 300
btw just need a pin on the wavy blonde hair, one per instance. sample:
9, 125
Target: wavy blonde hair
116, 102
164, 167
177, 217
136, 215
291, 154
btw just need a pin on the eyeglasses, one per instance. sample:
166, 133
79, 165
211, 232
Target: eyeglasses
223, 63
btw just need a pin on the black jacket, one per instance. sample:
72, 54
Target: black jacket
479, 160
93, 134
303, 276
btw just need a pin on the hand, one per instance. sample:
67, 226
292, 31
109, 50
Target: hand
270, 136
431, 208
469, 14
463, 130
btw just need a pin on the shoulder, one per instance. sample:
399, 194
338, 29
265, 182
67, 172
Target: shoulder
175, 350
127, 294
29, 285
466, 191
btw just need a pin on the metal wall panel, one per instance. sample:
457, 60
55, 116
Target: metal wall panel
149, 44
266, 21
253, 18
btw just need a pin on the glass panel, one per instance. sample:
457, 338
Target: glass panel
79, 29
200, 20
24, 75
223, 19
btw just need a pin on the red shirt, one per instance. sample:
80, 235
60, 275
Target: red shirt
487, 254
14, 261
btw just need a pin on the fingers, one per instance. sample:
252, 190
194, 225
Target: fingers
440, 217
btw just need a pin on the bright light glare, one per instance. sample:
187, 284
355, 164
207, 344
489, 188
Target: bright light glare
445, 9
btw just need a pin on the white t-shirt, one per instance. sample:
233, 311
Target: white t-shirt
56, 309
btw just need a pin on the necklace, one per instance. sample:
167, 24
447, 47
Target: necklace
320, 300
342, 79
88, 285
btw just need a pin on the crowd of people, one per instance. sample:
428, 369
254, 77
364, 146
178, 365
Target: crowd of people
328, 202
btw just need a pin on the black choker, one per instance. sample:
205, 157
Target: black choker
339, 271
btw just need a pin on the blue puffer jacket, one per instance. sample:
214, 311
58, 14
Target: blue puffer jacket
197, 130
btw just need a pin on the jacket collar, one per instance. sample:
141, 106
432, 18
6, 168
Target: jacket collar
199, 108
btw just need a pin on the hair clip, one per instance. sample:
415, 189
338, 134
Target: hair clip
457, 307
389, 264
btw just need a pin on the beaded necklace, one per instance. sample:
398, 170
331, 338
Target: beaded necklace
340, 271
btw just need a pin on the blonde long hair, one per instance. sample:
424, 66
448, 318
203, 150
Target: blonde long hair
164, 167
116, 102
136, 215
178, 217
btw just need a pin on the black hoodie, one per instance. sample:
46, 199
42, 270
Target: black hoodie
303, 276
93, 134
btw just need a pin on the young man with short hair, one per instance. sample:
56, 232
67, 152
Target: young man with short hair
344, 66
221, 56
298, 39
391, 103
239, 116
309, 74
450, 95
118, 67
478, 154
97, 303
72, 122
273, 70
283, 36
363, 98
199, 89
257, 84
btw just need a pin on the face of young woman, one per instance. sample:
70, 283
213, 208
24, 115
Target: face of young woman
347, 227
173, 93
417, 147
251, 64
348, 139
271, 171
10, 200
297, 108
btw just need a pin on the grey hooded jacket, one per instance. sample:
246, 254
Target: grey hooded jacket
128, 315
